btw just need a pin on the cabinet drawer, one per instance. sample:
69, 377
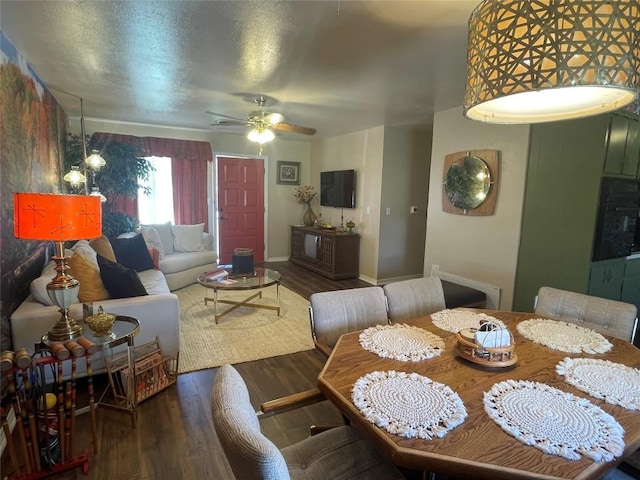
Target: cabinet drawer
632, 268
606, 279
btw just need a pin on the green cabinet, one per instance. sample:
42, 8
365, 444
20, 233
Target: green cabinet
623, 147
606, 278
631, 283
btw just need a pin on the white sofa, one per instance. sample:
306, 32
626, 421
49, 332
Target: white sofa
185, 251
157, 313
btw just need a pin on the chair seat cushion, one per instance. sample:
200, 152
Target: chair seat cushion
339, 453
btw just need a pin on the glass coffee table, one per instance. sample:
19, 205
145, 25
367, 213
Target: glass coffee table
261, 278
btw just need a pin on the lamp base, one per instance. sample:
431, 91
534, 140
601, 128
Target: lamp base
66, 328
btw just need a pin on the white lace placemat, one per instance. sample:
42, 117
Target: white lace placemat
408, 404
456, 320
614, 383
401, 342
556, 422
563, 336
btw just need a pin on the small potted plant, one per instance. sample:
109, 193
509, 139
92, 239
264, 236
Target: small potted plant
305, 194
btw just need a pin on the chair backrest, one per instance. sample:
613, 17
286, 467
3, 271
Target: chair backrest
414, 298
342, 311
610, 317
252, 456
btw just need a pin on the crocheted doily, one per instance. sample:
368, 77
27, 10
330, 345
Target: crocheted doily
408, 404
556, 422
563, 336
456, 320
614, 383
401, 342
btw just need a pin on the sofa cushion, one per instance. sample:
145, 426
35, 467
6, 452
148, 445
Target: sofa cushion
132, 253
154, 282
103, 247
178, 262
84, 267
165, 234
152, 239
188, 238
120, 281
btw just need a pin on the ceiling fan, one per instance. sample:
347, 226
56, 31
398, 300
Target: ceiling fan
263, 123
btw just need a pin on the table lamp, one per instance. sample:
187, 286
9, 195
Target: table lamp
58, 218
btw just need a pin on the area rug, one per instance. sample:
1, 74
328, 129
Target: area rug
243, 335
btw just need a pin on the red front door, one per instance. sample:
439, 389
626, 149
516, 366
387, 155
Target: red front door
240, 207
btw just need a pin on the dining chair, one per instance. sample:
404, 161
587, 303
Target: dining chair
413, 298
338, 453
610, 317
342, 311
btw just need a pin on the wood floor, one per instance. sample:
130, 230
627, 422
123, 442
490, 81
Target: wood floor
174, 437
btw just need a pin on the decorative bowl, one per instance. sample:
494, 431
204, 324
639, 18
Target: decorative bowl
100, 323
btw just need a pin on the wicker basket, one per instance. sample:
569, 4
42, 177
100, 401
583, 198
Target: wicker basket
487, 356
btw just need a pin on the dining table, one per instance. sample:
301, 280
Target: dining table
477, 446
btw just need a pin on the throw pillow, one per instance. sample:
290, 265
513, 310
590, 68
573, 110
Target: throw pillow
121, 282
103, 247
83, 266
188, 238
152, 239
132, 253
165, 234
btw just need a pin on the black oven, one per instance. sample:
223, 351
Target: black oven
617, 218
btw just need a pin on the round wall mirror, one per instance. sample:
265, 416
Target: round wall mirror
467, 182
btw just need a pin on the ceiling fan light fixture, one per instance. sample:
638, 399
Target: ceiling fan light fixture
550, 60
261, 135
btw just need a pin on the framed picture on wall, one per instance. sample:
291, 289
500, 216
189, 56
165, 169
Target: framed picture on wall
288, 173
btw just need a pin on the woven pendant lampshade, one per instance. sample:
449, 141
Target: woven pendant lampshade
531, 61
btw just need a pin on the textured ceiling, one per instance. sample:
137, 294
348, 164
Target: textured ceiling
337, 66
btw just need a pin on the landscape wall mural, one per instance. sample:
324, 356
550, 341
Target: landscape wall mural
32, 129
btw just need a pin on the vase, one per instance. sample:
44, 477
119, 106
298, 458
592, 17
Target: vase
309, 218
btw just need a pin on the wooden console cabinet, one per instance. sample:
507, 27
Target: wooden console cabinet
334, 255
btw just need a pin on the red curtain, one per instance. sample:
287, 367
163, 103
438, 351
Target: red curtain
188, 170
189, 175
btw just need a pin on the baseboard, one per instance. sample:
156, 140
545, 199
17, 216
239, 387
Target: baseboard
491, 291
277, 259
370, 280
11, 420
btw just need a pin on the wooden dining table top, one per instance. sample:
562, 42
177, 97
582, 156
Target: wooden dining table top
478, 448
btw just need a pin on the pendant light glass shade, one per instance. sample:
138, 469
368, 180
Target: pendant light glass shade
95, 161
74, 177
531, 61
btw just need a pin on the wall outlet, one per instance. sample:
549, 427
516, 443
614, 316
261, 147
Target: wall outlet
435, 269
388, 212
413, 209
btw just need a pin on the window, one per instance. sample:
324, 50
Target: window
158, 206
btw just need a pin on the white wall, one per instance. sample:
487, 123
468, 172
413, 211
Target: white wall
362, 151
484, 249
282, 209
405, 183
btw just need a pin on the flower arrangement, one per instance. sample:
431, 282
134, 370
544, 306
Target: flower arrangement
305, 194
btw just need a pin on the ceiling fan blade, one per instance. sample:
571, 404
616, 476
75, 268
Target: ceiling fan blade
225, 123
226, 116
290, 127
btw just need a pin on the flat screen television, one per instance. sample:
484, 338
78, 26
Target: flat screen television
338, 189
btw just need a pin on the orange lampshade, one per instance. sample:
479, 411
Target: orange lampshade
46, 216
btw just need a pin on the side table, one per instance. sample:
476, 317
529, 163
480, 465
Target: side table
123, 331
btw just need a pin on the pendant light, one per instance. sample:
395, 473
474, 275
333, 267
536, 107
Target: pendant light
531, 61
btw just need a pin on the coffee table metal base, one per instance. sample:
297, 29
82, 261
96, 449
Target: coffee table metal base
242, 303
